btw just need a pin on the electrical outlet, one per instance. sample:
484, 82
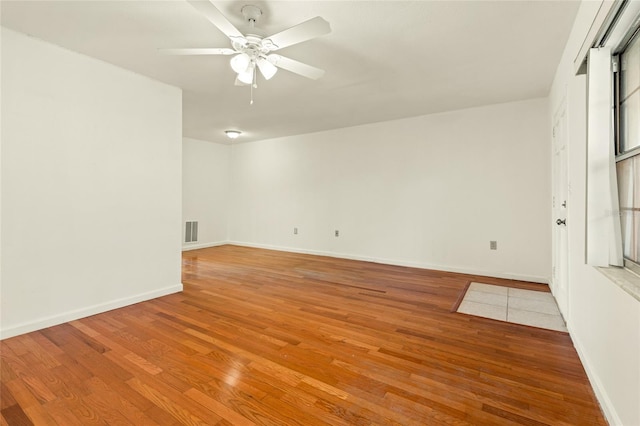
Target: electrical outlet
295, 231
337, 233
493, 245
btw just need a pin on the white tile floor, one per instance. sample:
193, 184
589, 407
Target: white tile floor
527, 307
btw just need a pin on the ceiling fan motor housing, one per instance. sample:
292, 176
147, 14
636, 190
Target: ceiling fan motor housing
252, 45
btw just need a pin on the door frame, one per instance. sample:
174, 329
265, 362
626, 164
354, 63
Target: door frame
559, 282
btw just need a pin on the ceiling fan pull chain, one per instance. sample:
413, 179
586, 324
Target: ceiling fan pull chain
251, 102
254, 83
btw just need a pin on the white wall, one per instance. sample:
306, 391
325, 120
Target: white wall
205, 190
429, 191
91, 172
604, 321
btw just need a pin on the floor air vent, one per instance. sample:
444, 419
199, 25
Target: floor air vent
191, 232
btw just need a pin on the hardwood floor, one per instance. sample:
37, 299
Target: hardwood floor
261, 337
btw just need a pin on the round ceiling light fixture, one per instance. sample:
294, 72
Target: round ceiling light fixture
233, 134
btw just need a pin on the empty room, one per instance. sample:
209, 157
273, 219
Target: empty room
320, 212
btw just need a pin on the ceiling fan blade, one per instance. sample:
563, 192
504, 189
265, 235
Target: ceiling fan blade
198, 51
307, 30
239, 83
296, 67
209, 11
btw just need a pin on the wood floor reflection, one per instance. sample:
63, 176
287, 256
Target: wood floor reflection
261, 337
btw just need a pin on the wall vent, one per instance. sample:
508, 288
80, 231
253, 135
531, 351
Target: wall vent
191, 232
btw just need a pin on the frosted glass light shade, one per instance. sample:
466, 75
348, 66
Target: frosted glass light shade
247, 76
240, 63
267, 69
233, 134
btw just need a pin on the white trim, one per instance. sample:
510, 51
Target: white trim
52, 320
396, 262
188, 247
600, 390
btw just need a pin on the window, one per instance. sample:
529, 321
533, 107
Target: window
627, 145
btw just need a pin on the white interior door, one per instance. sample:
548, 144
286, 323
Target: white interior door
560, 273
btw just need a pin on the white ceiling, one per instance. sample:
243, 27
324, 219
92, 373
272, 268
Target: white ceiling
383, 59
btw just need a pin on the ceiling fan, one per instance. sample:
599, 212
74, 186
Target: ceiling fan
252, 52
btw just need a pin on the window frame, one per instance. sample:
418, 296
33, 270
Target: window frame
632, 35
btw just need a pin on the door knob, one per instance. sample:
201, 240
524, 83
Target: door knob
561, 222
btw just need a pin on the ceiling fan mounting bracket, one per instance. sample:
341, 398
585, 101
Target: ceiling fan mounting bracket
251, 13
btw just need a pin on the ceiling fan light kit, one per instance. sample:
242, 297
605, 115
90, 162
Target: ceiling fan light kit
252, 52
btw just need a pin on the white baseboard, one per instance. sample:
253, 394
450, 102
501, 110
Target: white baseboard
189, 246
63, 317
396, 262
600, 391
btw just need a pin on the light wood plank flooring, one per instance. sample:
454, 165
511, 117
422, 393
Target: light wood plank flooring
261, 337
